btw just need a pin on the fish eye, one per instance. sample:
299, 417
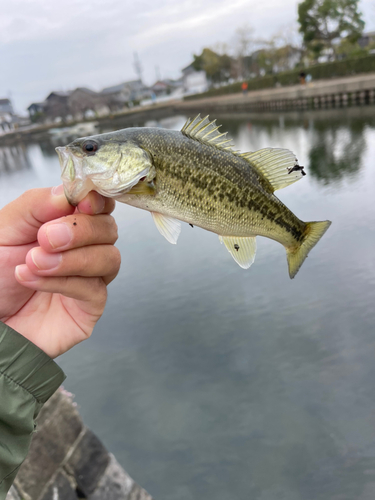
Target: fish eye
89, 147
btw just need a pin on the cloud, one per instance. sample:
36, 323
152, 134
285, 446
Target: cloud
183, 20
45, 45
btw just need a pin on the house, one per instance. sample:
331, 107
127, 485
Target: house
165, 87
6, 107
6, 115
37, 111
118, 96
194, 82
367, 39
57, 107
86, 103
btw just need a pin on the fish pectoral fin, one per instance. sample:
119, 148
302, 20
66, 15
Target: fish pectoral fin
279, 166
145, 188
242, 250
167, 226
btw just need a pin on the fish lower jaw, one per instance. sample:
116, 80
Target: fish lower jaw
77, 190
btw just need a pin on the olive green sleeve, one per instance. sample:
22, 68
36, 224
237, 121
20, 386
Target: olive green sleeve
28, 378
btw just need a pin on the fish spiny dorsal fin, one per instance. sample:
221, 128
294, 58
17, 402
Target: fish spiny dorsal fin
202, 130
279, 166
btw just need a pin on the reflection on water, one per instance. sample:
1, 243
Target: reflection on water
336, 152
208, 381
13, 158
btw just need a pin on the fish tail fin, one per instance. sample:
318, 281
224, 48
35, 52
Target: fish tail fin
297, 255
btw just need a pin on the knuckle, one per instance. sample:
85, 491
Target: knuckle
100, 290
116, 259
91, 226
112, 226
84, 262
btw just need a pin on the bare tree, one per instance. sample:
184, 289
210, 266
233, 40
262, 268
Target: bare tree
244, 42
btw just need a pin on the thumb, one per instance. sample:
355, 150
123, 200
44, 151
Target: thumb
21, 219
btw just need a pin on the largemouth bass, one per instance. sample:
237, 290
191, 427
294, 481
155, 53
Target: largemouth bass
195, 176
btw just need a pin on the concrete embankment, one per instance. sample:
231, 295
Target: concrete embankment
127, 118
320, 94
66, 461
350, 91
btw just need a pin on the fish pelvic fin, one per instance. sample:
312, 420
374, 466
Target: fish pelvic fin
297, 255
167, 226
279, 166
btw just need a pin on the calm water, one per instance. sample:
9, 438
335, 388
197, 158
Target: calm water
208, 381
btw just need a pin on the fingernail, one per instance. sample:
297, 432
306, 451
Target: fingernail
57, 190
45, 261
23, 273
59, 235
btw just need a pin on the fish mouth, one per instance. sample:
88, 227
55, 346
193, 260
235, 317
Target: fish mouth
76, 184
109, 178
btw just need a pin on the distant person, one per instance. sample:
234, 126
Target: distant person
55, 265
244, 87
308, 78
302, 78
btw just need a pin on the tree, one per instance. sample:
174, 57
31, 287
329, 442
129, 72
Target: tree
323, 22
216, 66
244, 40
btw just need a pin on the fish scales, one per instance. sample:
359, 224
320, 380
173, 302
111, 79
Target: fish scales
202, 182
194, 176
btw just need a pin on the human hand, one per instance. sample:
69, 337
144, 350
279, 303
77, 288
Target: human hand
55, 264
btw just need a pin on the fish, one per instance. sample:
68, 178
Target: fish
195, 176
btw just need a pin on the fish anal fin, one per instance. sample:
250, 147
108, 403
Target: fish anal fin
206, 132
168, 227
242, 250
278, 166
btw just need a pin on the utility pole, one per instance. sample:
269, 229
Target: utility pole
137, 66
157, 73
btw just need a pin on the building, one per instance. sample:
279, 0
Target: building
75, 104
86, 103
119, 96
37, 111
194, 81
165, 87
83, 102
57, 108
7, 115
367, 39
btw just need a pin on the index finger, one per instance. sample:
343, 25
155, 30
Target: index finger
94, 203
76, 231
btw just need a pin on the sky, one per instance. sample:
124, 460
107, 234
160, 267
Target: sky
47, 45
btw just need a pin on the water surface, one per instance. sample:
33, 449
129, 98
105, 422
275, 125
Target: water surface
209, 381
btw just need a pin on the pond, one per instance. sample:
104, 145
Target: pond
209, 381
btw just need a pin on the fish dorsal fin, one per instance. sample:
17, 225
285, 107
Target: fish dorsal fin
202, 130
279, 166
242, 250
167, 226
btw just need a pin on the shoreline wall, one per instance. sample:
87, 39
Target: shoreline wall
66, 461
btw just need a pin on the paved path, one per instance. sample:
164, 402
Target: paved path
317, 88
